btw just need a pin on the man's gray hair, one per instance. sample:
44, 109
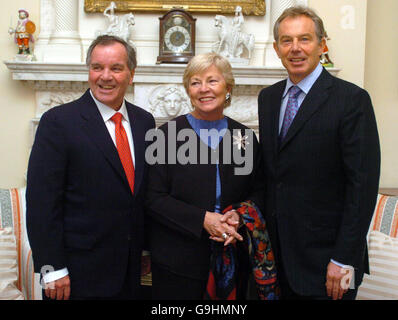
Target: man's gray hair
297, 11
106, 40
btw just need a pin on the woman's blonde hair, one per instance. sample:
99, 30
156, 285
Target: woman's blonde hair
202, 62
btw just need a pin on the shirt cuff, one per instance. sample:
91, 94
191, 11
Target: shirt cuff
55, 275
341, 265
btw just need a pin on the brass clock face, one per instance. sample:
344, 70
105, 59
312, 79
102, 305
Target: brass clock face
177, 37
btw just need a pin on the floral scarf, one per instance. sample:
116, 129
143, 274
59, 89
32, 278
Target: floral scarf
222, 281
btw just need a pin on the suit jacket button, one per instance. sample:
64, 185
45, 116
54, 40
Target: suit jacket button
280, 184
128, 237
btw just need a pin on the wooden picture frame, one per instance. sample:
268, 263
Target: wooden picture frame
249, 7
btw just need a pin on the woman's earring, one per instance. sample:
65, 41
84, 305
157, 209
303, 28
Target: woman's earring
228, 96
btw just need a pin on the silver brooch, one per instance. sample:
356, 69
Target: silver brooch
240, 141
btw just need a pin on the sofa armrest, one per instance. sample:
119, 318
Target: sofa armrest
382, 282
385, 216
30, 281
13, 214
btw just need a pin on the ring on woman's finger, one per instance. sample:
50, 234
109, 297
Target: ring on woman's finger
225, 236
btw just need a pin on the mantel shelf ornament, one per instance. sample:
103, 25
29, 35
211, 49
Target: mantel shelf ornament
233, 43
23, 36
119, 26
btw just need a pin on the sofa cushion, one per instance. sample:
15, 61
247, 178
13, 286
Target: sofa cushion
382, 283
12, 214
8, 266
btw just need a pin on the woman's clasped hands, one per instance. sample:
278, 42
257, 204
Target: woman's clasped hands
223, 227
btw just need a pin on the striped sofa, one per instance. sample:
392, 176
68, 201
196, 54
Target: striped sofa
12, 215
382, 283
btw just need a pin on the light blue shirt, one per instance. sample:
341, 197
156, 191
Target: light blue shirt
221, 127
305, 85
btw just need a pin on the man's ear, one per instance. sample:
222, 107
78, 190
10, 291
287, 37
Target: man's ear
276, 48
322, 45
132, 76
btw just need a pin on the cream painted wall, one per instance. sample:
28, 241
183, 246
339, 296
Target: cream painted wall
17, 102
381, 81
345, 23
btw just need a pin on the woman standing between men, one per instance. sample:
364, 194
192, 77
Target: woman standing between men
200, 209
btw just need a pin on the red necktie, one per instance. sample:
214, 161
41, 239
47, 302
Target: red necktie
123, 148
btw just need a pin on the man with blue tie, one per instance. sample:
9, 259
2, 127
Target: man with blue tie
321, 158
86, 182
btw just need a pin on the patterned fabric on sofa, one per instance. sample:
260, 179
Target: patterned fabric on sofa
12, 214
385, 217
382, 283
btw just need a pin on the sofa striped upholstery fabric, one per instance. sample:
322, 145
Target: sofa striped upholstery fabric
8, 266
385, 217
12, 214
382, 283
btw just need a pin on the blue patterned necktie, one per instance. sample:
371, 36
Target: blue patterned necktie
291, 110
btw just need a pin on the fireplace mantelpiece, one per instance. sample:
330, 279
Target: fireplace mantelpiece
57, 83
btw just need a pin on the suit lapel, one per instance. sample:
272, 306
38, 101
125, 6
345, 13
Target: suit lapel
95, 128
138, 133
317, 95
275, 103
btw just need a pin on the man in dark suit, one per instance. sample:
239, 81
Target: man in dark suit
321, 163
86, 182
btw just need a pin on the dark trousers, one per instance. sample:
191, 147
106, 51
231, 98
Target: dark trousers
127, 292
124, 294
131, 289
170, 286
287, 293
